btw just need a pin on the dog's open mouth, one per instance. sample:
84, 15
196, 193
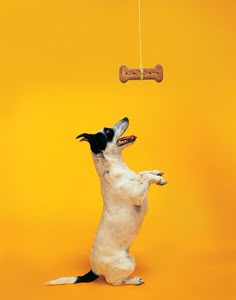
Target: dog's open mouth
125, 140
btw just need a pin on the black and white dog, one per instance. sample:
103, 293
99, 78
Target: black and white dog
124, 194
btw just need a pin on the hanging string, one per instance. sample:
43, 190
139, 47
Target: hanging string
140, 40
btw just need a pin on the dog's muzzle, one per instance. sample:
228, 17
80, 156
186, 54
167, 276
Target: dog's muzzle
126, 140
120, 128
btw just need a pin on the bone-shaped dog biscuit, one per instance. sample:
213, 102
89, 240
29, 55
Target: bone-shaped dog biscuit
155, 73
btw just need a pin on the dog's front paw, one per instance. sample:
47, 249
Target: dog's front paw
158, 173
153, 172
162, 181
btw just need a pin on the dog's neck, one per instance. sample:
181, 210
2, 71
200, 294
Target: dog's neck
106, 162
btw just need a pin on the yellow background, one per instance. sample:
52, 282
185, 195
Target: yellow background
59, 78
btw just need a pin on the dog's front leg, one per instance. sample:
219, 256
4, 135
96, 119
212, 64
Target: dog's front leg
149, 177
145, 180
154, 172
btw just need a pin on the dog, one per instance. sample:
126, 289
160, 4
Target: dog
124, 194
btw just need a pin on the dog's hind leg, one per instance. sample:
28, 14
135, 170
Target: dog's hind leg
119, 272
129, 280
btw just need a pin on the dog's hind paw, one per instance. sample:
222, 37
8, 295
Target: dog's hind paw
133, 280
139, 280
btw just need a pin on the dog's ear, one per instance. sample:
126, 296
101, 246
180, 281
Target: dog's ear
97, 141
84, 136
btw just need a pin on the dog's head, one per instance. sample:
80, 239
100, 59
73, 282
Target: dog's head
109, 139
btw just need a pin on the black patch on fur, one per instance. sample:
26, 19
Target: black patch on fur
106, 173
97, 141
88, 277
137, 208
109, 133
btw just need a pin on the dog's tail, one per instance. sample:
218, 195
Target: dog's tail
88, 277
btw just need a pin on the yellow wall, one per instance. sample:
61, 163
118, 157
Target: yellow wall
59, 78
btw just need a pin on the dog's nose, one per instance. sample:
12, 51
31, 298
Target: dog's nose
126, 119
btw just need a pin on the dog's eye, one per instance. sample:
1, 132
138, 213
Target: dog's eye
109, 133
107, 130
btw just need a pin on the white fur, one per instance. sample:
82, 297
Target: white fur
124, 194
125, 204
62, 280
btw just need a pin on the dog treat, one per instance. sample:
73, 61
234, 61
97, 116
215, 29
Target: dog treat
155, 73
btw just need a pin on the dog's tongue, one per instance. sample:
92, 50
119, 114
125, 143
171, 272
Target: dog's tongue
126, 139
